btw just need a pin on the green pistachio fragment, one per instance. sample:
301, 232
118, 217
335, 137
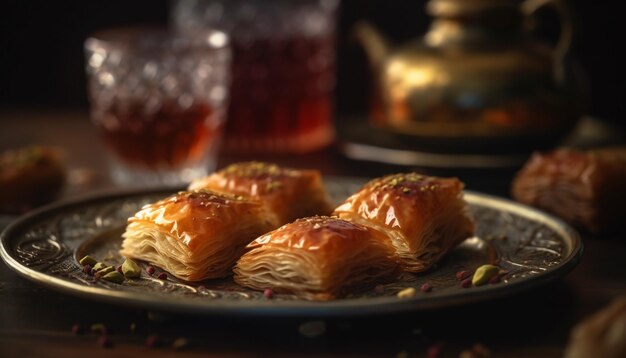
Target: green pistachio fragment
106, 270
114, 276
406, 293
99, 266
88, 260
130, 268
484, 273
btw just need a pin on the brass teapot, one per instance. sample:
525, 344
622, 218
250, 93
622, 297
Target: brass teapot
477, 82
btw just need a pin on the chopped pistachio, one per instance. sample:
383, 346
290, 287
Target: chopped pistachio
99, 266
88, 260
114, 276
130, 268
484, 273
406, 293
107, 270
273, 185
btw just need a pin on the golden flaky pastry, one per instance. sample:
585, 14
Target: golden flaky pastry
424, 216
288, 193
602, 335
317, 258
195, 235
585, 188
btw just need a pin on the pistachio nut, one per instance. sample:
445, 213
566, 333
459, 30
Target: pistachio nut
406, 293
484, 273
106, 270
114, 276
130, 268
99, 266
88, 260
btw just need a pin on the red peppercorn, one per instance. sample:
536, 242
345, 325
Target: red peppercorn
466, 283
150, 270
461, 275
162, 276
426, 287
268, 293
119, 269
87, 269
76, 329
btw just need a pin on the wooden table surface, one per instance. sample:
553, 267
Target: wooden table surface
37, 322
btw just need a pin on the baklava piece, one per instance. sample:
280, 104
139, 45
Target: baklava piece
424, 216
195, 235
318, 258
585, 188
288, 193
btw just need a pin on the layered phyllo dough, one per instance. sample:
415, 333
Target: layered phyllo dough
423, 216
195, 235
318, 258
288, 193
585, 188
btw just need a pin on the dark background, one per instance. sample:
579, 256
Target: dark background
41, 56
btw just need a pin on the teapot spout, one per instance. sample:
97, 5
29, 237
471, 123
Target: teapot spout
375, 45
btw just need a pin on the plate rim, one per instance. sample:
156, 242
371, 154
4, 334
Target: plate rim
336, 308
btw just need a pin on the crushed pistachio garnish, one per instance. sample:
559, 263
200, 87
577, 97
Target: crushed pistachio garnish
273, 185
99, 266
396, 181
484, 273
406, 293
130, 268
254, 169
105, 271
88, 260
114, 276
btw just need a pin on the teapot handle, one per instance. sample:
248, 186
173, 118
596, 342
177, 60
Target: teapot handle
564, 43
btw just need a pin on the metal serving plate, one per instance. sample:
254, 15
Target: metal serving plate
45, 246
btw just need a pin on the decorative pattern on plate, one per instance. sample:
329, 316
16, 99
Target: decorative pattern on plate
46, 246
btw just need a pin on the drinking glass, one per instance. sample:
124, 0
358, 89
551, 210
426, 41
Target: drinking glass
283, 69
158, 100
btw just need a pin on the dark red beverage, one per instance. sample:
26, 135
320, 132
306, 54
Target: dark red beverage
166, 138
281, 95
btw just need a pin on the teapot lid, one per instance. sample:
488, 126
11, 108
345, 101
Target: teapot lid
459, 8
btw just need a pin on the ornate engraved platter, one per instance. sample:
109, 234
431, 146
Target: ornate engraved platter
44, 246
